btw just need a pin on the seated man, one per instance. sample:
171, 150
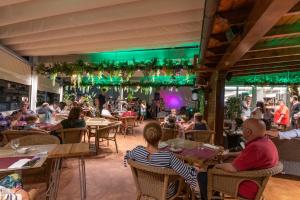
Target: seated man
197, 124
288, 135
260, 153
20, 115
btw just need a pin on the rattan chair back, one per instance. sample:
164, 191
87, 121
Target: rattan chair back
152, 181
130, 121
228, 183
37, 140
14, 134
204, 136
169, 133
71, 135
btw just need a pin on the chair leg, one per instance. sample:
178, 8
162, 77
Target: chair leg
116, 145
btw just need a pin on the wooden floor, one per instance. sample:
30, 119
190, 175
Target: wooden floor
283, 188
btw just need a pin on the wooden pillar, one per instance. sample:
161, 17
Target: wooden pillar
219, 117
215, 107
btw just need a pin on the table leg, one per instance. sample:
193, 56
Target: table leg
82, 178
52, 191
97, 141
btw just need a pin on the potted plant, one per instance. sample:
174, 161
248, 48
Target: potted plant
234, 109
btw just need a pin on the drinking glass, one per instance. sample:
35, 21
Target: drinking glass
15, 143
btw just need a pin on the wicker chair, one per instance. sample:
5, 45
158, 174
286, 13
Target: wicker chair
109, 134
128, 124
91, 132
200, 136
42, 174
36, 140
71, 135
228, 183
168, 133
14, 134
154, 181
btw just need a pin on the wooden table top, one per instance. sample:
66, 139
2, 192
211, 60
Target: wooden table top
188, 144
97, 122
70, 150
53, 151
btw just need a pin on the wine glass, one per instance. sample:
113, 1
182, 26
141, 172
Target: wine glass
15, 143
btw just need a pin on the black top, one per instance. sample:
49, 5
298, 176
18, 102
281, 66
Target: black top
295, 109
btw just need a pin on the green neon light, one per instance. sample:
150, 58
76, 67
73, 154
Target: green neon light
284, 78
153, 81
184, 51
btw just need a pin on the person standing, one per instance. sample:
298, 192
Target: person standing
281, 115
100, 101
246, 108
143, 109
295, 108
258, 112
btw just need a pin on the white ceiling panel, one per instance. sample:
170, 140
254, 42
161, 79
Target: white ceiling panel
61, 27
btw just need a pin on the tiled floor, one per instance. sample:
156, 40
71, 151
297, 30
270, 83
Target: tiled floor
108, 179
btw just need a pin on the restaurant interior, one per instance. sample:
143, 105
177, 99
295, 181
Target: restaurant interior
149, 99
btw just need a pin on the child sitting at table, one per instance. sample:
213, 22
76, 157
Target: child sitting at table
31, 123
11, 188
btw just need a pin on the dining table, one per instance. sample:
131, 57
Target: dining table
94, 124
192, 151
53, 152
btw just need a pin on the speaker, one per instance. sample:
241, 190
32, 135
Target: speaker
194, 95
156, 96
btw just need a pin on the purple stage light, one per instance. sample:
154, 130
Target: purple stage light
172, 99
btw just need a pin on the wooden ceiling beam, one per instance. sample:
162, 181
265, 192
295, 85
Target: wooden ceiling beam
235, 16
218, 50
261, 19
284, 63
264, 71
294, 11
287, 30
255, 68
272, 53
219, 36
268, 61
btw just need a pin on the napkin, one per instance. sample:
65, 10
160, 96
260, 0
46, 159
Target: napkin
19, 164
211, 146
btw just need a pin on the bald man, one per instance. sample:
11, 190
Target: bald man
259, 153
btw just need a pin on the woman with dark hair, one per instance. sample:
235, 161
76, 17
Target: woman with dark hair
258, 112
99, 102
74, 120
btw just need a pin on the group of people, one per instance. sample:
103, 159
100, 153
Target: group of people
173, 120
279, 115
259, 153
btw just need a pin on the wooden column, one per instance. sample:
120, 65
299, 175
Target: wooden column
219, 117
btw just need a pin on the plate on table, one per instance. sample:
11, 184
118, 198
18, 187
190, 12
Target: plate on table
162, 145
176, 150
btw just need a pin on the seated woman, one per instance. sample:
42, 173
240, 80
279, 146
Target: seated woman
11, 188
151, 155
197, 124
170, 122
74, 121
